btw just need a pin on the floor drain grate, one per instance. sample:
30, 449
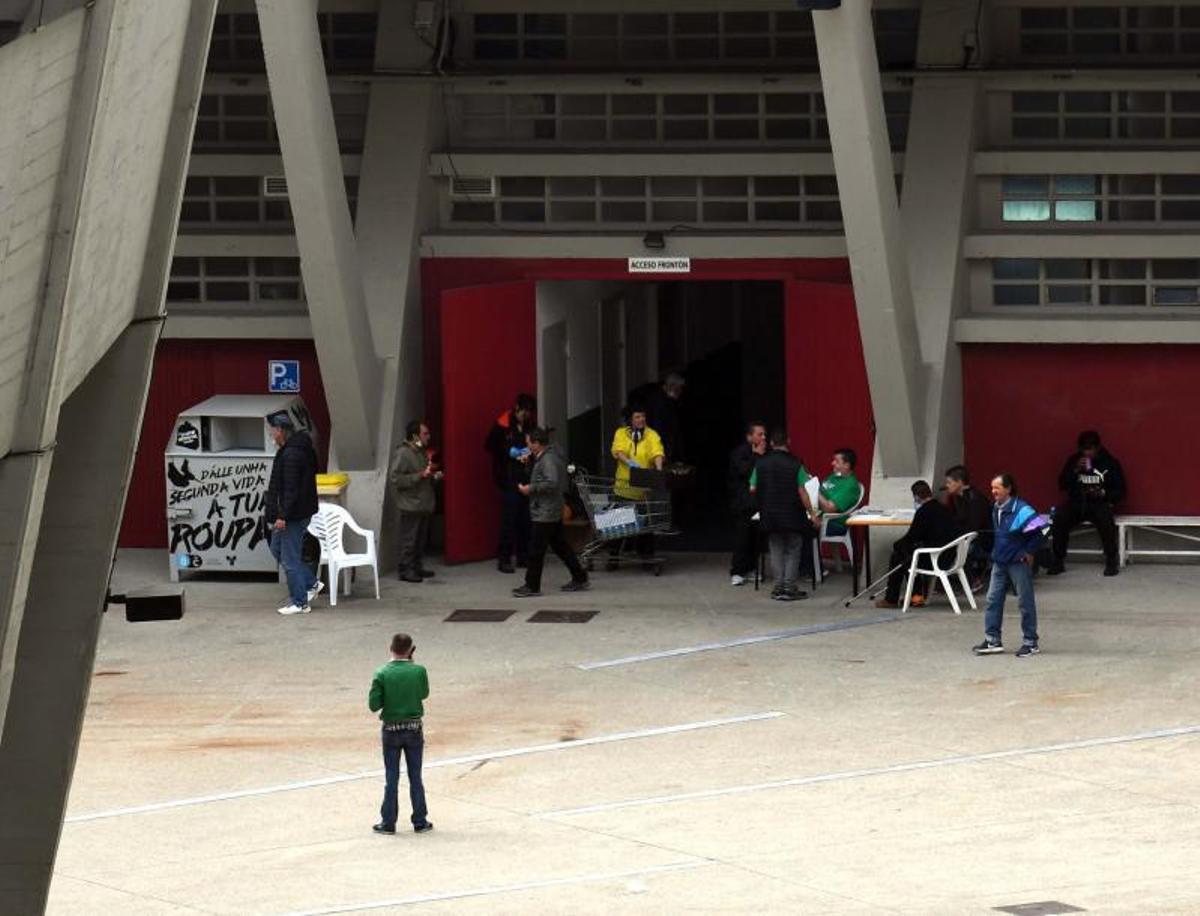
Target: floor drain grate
479, 615
1041, 908
562, 616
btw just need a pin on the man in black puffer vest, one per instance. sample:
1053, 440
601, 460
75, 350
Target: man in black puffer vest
291, 501
779, 487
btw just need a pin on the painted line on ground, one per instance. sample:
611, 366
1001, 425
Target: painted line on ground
875, 771
746, 641
447, 762
505, 889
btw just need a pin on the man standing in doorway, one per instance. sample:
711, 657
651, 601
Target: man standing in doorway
510, 468
661, 403
741, 502
397, 690
634, 446
1095, 483
546, 488
412, 476
290, 502
778, 487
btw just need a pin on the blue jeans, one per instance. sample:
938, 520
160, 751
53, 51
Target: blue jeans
412, 743
1021, 576
285, 547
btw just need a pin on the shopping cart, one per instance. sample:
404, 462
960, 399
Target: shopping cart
614, 518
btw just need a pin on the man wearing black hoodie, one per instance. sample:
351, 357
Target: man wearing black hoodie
1094, 483
510, 468
291, 501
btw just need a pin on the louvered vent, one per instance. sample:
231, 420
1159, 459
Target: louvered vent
274, 186
463, 187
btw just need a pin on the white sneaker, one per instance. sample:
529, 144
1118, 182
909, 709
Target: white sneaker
292, 609
315, 590
737, 580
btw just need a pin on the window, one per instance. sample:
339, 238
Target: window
238, 202
244, 121
347, 40
1100, 198
732, 118
1087, 117
1096, 282
729, 200
1130, 32
736, 38
235, 280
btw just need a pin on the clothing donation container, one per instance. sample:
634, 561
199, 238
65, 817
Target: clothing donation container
218, 464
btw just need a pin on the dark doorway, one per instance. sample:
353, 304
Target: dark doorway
727, 339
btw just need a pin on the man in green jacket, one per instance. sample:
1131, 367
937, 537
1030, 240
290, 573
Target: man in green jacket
412, 476
396, 694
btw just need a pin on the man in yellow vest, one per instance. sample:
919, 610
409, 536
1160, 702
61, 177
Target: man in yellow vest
635, 446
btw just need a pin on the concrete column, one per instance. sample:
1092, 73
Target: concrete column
863, 162
324, 235
938, 187
397, 203
89, 476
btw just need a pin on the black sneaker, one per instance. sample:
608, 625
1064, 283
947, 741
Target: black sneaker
423, 828
525, 591
383, 828
426, 573
1112, 569
1027, 650
1055, 569
577, 585
987, 647
506, 567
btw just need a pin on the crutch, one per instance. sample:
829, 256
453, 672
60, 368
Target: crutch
854, 598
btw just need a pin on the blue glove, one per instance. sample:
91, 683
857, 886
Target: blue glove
518, 453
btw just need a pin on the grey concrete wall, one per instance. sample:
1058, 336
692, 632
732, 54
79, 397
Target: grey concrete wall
37, 79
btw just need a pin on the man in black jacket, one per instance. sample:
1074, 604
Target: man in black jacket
510, 469
973, 512
1094, 483
779, 491
932, 526
742, 504
290, 502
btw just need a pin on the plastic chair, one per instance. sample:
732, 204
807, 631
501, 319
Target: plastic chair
813, 487
962, 547
844, 539
327, 526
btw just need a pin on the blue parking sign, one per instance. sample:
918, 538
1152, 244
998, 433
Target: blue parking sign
283, 376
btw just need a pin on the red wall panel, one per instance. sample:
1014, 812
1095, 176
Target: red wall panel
489, 354
828, 399
186, 372
1024, 404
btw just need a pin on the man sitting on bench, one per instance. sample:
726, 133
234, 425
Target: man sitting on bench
1095, 484
933, 525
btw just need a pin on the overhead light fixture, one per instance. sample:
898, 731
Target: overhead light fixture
142, 605
654, 241
818, 4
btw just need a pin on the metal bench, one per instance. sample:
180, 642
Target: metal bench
1159, 525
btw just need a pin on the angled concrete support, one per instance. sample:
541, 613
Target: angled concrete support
866, 185
328, 255
938, 183
63, 485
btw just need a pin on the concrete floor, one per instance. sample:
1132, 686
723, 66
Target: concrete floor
871, 789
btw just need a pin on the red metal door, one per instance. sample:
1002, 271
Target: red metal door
489, 355
828, 401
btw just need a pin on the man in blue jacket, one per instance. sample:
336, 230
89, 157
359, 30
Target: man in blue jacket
1012, 562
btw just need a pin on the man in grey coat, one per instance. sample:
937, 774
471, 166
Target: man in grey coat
412, 476
546, 487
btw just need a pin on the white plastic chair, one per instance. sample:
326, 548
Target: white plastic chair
327, 526
813, 487
962, 546
844, 539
